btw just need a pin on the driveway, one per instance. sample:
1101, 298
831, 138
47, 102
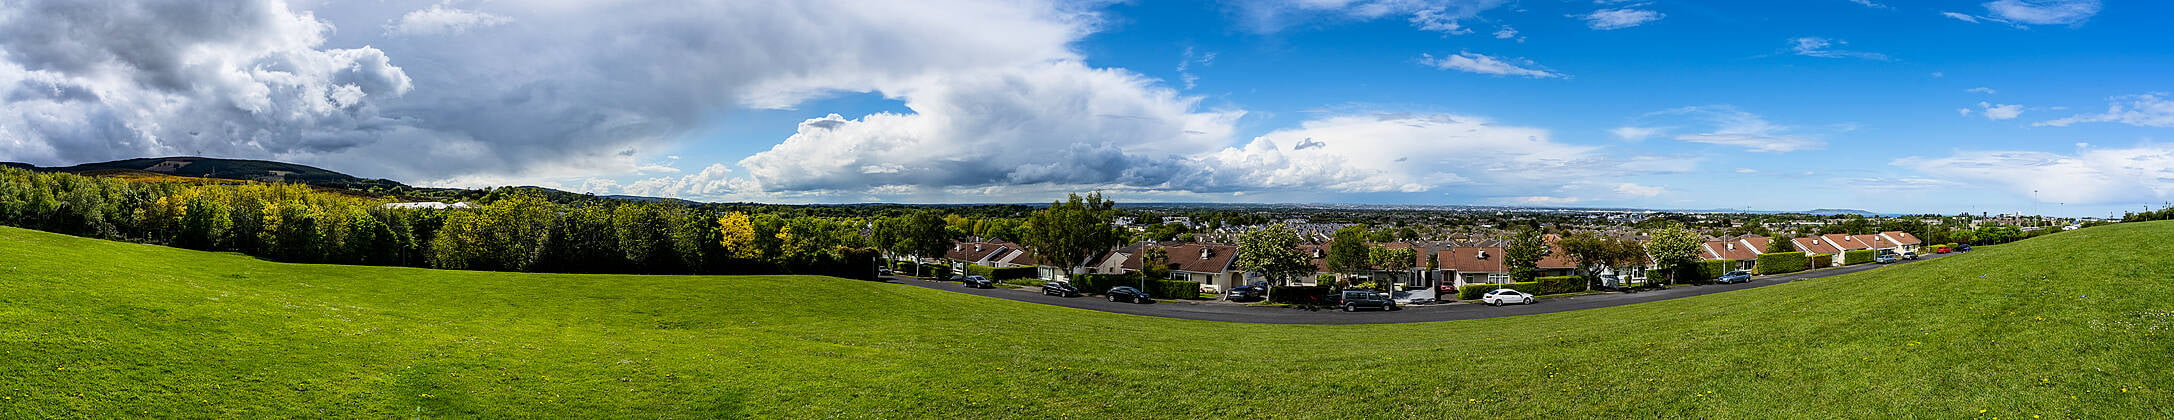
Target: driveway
1424, 313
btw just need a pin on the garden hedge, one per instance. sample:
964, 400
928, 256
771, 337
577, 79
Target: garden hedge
1781, 262
1003, 273
935, 271
1159, 288
1822, 260
1859, 256
1560, 284
1473, 291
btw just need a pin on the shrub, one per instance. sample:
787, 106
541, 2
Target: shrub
1173, 289
1780, 262
1473, 291
1858, 257
1002, 273
936, 271
1560, 284
1297, 294
1822, 260
1703, 272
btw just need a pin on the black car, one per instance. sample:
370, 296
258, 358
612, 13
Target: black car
1352, 300
979, 282
1244, 294
1128, 294
1964, 248
1058, 288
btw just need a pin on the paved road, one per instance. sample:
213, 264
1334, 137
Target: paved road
1226, 312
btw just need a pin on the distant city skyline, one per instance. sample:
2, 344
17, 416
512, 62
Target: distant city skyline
2053, 107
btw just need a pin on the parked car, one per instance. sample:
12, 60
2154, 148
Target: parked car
1128, 294
1942, 250
1962, 248
979, 282
1059, 289
1738, 276
1414, 297
883, 271
1244, 294
1352, 300
1908, 255
1498, 297
958, 277
1886, 259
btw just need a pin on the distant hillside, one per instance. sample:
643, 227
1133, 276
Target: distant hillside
241, 169
1839, 212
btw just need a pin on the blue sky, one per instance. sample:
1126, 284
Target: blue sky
2052, 106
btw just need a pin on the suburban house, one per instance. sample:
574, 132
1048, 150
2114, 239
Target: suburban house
1737, 249
991, 254
1209, 264
1903, 241
1478, 263
1819, 245
1845, 242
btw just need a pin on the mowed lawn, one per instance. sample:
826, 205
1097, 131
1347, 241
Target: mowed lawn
2074, 325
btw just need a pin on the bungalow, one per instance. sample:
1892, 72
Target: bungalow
1732, 249
1477, 263
1846, 242
1904, 241
1209, 264
1818, 245
990, 254
433, 205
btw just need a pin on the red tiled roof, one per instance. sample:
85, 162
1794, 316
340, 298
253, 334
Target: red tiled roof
1845, 242
1468, 259
1901, 237
1758, 245
1187, 258
1816, 245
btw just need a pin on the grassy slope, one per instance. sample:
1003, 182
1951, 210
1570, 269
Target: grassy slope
93, 328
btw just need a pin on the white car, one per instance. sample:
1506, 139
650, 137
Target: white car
1499, 297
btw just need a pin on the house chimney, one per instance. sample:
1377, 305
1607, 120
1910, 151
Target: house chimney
1483, 254
1729, 246
1204, 252
977, 247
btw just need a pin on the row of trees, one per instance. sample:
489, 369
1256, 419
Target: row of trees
513, 230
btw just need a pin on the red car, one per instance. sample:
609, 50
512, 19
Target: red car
1942, 250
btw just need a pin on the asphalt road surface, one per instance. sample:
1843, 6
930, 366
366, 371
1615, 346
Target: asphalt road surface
1226, 312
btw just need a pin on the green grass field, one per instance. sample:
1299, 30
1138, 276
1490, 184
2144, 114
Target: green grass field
2074, 325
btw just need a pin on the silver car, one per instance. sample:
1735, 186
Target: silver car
1500, 297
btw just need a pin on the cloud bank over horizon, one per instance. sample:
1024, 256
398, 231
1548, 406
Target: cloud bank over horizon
994, 100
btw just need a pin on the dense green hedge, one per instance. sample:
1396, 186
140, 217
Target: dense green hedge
1822, 260
1003, 273
1098, 283
1298, 294
1159, 288
1713, 269
1859, 256
934, 271
1560, 284
1780, 262
1473, 291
